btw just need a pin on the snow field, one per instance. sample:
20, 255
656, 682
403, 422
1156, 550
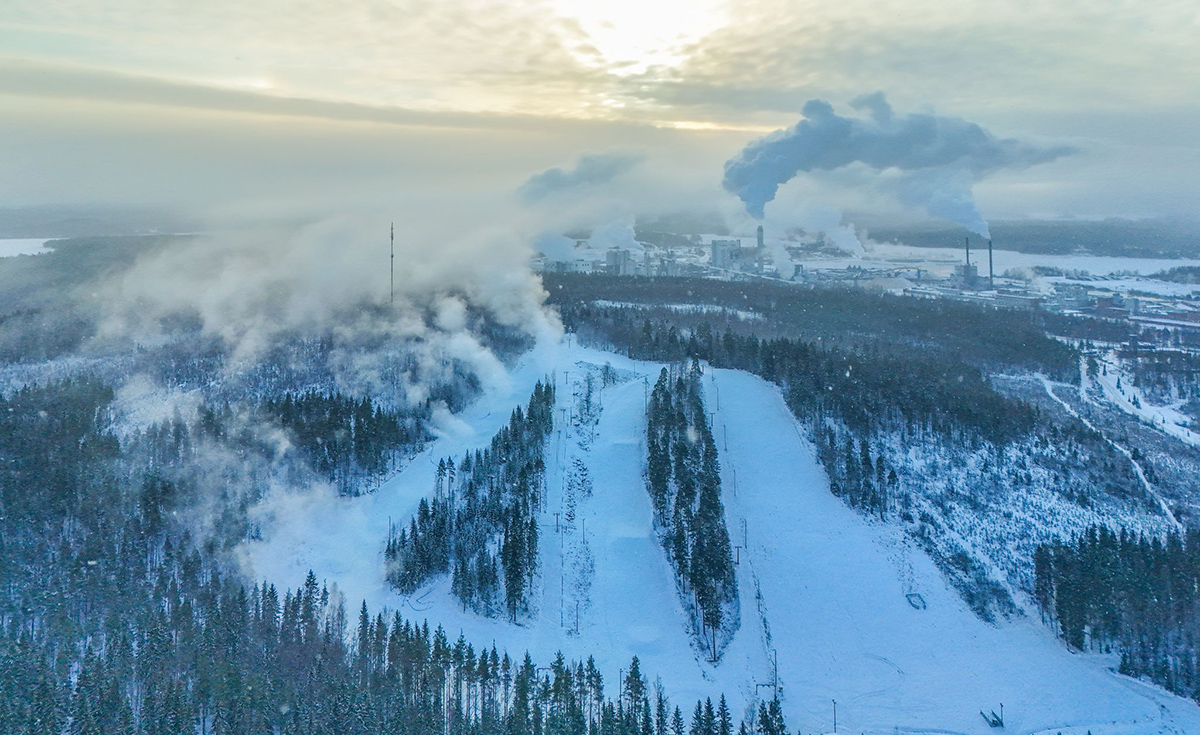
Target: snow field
823, 590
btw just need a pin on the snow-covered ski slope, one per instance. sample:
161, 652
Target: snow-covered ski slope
822, 589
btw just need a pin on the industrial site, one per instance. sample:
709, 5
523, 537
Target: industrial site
1145, 293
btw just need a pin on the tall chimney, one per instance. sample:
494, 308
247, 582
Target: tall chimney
991, 270
968, 241
760, 236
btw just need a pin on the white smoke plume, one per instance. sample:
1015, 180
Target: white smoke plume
590, 170
257, 291
279, 300
616, 234
923, 160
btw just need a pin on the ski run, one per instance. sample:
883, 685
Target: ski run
834, 606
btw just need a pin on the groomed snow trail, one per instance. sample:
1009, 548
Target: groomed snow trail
845, 631
820, 586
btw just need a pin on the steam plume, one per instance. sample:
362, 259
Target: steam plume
258, 292
591, 169
930, 162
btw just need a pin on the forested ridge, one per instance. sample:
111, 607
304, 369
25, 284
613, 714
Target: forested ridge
940, 330
684, 481
867, 390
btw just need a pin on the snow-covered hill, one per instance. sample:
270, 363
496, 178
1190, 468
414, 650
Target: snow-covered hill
847, 608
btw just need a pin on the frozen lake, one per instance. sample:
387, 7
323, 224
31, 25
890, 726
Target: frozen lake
22, 246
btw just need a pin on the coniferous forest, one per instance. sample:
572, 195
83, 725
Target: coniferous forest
346, 440
866, 388
684, 481
1127, 594
482, 522
115, 618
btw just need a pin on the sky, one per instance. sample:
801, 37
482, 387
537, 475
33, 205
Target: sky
271, 106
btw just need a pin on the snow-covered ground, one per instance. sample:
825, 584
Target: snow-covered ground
823, 590
742, 314
1132, 400
1137, 466
1128, 284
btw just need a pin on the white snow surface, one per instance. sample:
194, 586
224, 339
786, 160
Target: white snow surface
1168, 419
821, 587
22, 246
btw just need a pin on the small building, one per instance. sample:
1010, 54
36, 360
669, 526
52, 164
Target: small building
886, 284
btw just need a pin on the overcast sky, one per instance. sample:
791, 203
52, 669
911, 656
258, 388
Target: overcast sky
268, 105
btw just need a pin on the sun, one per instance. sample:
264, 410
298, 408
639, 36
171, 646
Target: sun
634, 35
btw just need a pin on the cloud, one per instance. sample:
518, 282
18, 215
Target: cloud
112, 101
589, 171
62, 81
924, 160
431, 54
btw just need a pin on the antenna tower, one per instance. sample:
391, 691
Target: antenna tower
392, 267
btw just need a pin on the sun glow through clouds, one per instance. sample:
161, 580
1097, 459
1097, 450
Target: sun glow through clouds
631, 36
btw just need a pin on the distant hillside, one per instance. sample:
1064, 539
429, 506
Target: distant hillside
87, 221
1115, 237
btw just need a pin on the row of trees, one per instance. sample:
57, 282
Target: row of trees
868, 389
684, 481
856, 474
1139, 596
482, 522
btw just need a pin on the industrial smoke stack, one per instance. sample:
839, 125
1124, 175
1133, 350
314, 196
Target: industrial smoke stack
991, 270
968, 241
760, 236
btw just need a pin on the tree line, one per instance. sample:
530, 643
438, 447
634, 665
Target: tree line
481, 524
684, 481
857, 474
1130, 594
